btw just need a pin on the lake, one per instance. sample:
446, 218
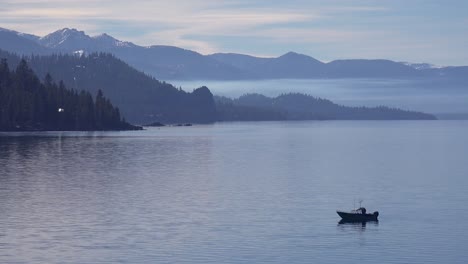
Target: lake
445, 98
264, 192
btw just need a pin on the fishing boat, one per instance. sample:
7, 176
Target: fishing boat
358, 215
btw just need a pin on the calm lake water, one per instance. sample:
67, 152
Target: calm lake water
237, 193
432, 96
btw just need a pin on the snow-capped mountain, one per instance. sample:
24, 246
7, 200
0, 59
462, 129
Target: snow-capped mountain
163, 62
171, 63
65, 38
70, 40
106, 41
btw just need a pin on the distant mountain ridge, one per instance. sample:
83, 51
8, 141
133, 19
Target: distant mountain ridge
290, 65
296, 106
173, 63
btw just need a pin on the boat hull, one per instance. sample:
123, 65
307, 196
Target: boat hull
353, 217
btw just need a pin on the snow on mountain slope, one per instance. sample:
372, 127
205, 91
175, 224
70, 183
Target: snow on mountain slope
70, 40
421, 66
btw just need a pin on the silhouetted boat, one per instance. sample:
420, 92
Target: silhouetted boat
358, 215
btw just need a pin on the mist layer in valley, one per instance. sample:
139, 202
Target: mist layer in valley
446, 100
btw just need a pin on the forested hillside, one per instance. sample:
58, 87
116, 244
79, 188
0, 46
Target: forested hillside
26, 104
141, 98
295, 106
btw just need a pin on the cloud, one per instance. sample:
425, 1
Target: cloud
356, 28
50, 13
183, 31
177, 22
184, 17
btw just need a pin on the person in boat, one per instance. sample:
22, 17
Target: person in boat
363, 210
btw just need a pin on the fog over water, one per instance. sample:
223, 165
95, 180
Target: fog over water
432, 96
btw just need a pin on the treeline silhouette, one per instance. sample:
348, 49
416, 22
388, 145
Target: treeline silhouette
141, 98
230, 110
27, 104
297, 106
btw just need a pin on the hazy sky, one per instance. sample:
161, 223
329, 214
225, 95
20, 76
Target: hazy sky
433, 31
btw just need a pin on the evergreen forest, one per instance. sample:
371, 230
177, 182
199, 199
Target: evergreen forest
27, 104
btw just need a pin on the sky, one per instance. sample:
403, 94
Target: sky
401, 30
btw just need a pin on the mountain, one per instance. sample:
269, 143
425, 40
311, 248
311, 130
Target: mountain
162, 62
66, 40
299, 66
20, 43
295, 106
71, 40
289, 65
173, 63
141, 98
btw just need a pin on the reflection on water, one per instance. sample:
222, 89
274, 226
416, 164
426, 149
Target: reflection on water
235, 193
359, 226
